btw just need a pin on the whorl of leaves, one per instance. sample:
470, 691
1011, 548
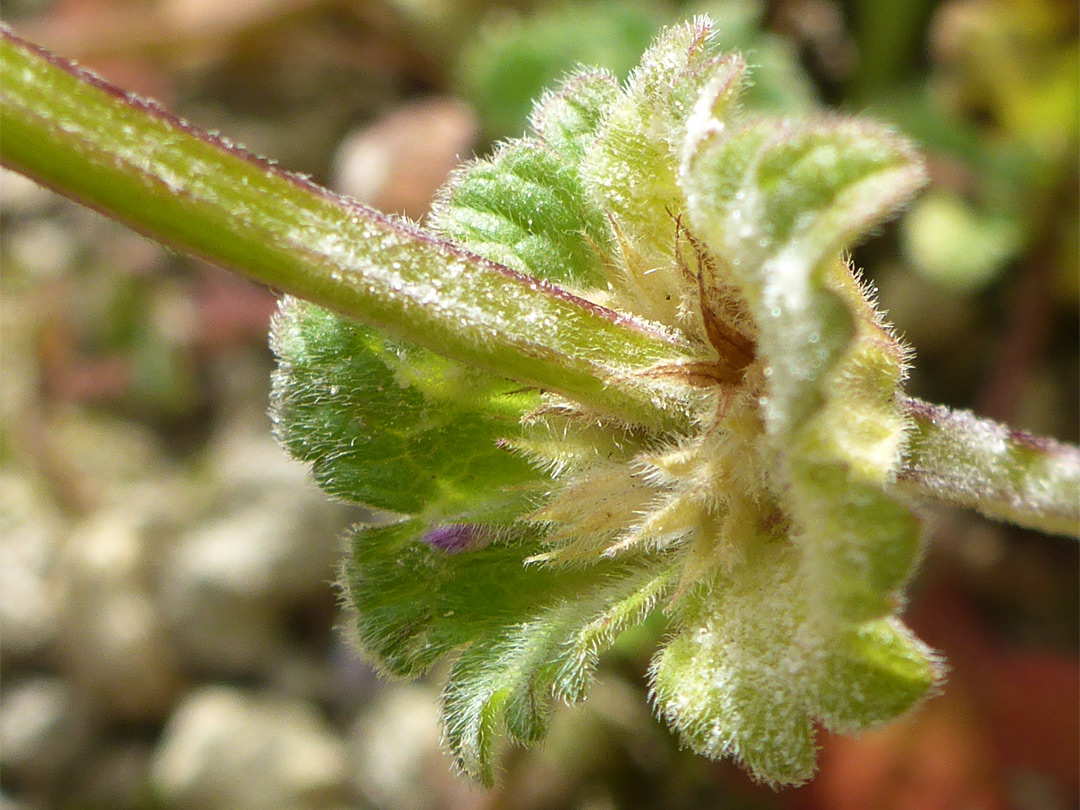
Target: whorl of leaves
528, 531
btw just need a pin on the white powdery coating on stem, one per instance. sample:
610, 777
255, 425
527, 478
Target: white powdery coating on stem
962, 459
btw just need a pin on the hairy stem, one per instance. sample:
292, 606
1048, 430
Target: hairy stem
129, 159
958, 458
201, 194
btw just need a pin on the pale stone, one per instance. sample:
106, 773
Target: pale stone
30, 599
396, 746
117, 647
224, 748
42, 730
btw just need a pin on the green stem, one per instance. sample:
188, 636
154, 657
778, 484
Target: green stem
958, 458
129, 159
197, 192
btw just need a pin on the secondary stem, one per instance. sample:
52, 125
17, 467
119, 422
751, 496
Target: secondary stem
958, 458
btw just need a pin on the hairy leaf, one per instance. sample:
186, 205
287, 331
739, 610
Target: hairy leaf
529, 633
395, 427
781, 201
525, 207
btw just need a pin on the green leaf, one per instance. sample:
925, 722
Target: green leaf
780, 202
733, 680
568, 118
873, 673
526, 207
530, 632
506, 681
395, 427
415, 603
751, 669
632, 164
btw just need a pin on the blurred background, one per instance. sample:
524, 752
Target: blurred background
169, 630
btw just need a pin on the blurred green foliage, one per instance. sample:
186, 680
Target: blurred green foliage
514, 57
998, 113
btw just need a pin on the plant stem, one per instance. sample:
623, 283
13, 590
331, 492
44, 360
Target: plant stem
131, 160
958, 458
201, 194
